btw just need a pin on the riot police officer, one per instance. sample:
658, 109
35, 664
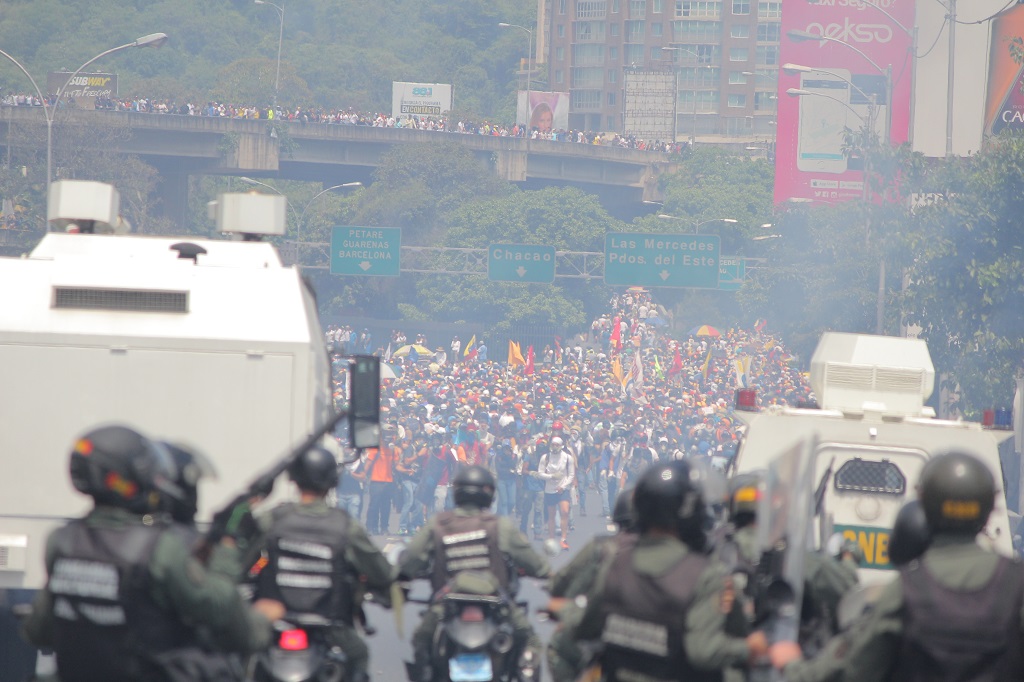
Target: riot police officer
299, 536
471, 550
576, 579
124, 591
659, 605
956, 613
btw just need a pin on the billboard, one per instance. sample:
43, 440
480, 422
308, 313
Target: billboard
648, 101
1004, 106
545, 111
844, 50
84, 89
420, 99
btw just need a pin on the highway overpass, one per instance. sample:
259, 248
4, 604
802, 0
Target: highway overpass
180, 146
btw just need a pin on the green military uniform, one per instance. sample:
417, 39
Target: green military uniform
370, 570
575, 579
197, 595
956, 562
418, 558
705, 641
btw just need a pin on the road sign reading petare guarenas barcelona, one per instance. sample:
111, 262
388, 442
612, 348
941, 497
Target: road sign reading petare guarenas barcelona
661, 260
520, 263
366, 251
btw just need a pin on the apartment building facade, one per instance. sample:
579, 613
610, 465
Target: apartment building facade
723, 54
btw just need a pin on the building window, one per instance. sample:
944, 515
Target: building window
611, 99
656, 30
613, 54
587, 55
767, 55
740, 31
611, 123
769, 33
707, 100
585, 99
613, 75
698, 77
698, 8
689, 53
741, 7
737, 78
615, 6
764, 101
561, 30
696, 31
633, 55
559, 54
613, 30
737, 101
634, 31
561, 6
738, 54
591, 9
559, 77
637, 9
769, 10
656, 6
587, 77
658, 55
589, 31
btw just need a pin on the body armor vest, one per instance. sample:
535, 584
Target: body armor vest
107, 625
961, 636
306, 568
645, 619
467, 543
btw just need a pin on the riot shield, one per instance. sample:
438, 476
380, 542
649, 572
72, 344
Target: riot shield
784, 528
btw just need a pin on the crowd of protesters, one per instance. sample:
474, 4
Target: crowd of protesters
582, 416
320, 115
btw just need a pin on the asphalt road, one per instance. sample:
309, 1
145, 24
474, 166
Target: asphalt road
388, 650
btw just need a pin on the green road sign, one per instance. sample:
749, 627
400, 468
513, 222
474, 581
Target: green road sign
372, 251
731, 271
661, 260
520, 263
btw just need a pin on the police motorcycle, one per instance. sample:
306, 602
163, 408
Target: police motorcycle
302, 652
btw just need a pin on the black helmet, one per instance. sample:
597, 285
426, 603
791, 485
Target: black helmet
957, 492
315, 470
119, 467
744, 498
910, 534
665, 498
624, 513
474, 487
190, 467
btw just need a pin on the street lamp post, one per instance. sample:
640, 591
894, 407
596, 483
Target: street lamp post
529, 69
49, 110
280, 39
697, 225
693, 136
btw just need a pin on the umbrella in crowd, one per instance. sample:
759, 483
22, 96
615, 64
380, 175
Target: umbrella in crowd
704, 330
422, 351
390, 371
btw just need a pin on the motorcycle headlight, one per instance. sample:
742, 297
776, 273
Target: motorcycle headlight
502, 642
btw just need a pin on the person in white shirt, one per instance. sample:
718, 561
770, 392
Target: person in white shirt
558, 472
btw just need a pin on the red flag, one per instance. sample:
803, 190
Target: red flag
529, 361
616, 337
677, 363
558, 348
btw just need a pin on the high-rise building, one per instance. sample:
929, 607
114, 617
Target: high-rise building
720, 59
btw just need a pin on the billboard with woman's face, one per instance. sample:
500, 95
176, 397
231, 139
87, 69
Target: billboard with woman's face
545, 111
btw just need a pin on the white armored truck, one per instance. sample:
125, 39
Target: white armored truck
870, 438
212, 343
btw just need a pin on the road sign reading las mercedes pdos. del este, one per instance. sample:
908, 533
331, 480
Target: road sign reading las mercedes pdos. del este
661, 260
374, 251
520, 263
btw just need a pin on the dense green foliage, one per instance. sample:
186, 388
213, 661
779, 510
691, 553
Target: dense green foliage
335, 53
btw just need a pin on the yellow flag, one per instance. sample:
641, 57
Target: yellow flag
469, 346
515, 355
617, 371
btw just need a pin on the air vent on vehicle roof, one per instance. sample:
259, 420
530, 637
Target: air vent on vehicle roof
129, 300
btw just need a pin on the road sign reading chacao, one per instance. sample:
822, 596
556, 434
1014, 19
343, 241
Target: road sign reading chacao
372, 251
661, 260
520, 263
